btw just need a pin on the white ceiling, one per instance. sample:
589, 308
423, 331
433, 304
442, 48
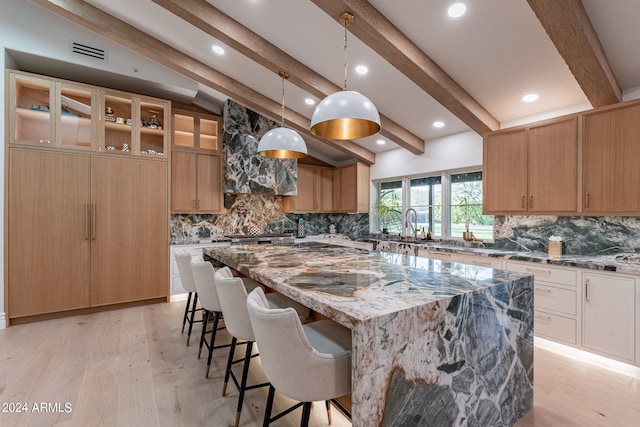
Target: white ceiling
497, 52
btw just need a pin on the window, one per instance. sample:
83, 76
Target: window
425, 197
447, 204
388, 207
466, 206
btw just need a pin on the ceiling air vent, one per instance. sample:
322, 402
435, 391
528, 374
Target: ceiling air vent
85, 50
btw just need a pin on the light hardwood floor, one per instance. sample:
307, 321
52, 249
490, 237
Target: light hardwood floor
131, 367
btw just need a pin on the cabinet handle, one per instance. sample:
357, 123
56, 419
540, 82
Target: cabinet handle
586, 200
586, 291
522, 201
87, 221
538, 270
198, 204
541, 317
481, 263
195, 204
530, 202
543, 290
93, 221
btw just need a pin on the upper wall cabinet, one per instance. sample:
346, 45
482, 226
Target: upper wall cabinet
351, 188
195, 131
532, 170
51, 113
135, 125
315, 191
611, 149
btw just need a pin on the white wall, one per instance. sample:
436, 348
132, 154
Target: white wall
462, 150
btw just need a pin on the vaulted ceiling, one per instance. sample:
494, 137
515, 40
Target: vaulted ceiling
469, 73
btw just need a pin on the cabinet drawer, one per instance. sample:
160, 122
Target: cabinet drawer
556, 299
555, 327
442, 256
545, 273
482, 262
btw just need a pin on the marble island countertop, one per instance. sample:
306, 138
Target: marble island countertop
356, 284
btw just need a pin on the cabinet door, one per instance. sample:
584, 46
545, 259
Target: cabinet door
504, 172
75, 116
31, 120
611, 176
130, 246
208, 134
183, 182
324, 189
48, 240
209, 184
304, 201
553, 167
609, 315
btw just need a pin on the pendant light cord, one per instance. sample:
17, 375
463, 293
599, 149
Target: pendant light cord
345, 55
282, 124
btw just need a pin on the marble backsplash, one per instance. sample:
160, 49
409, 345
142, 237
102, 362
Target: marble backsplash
246, 171
265, 212
581, 235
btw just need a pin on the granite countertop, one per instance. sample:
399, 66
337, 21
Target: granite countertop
352, 285
620, 262
200, 241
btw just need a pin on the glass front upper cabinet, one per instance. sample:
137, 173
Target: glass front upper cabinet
50, 113
31, 119
196, 131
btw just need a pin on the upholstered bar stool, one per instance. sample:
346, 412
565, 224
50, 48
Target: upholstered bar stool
183, 260
233, 301
307, 363
203, 275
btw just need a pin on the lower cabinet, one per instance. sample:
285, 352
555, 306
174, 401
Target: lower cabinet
609, 315
84, 231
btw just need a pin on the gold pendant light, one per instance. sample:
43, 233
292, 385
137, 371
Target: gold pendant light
345, 114
282, 143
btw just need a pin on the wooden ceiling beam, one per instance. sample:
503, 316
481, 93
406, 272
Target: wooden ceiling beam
140, 42
214, 22
377, 32
570, 29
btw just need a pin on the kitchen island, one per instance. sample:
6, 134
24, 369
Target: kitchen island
434, 343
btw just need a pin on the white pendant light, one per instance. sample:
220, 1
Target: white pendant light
282, 143
346, 114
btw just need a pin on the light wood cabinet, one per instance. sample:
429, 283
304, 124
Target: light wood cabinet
609, 313
351, 189
532, 170
196, 167
134, 125
48, 232
315, 191
611, 176
84, 231
196, 131
50, 113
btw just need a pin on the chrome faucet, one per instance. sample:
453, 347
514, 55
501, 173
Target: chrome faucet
415, 226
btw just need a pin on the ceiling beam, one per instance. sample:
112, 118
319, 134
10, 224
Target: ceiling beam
214, 22
569, 27
377, 32
140, 42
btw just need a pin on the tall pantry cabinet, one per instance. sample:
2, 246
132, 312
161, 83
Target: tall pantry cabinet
87, 211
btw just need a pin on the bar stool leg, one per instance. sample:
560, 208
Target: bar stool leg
243, 382
328, 404
216, 319
186, 312
306, 414
205, 321
193, 313
269, 407
229, 363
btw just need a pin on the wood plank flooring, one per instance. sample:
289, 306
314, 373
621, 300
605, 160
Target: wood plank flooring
131, 367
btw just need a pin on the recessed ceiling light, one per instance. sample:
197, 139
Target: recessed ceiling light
309, 101
381, 142
530, 97
456, 10
217, 49
362, 69
438, 124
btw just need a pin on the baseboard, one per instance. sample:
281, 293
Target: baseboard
3, 320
